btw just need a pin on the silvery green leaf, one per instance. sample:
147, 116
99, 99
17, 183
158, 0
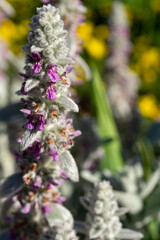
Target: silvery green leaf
95, 232
121, 211
85, 202
5, 235
80, 227
58, 215
152, 206
151, 184
29, 137
30, 84
68, 165
129, 200
68, 103
65, 61
129, 234
90, 177
11, 185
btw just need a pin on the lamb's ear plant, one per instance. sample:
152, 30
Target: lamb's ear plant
32, 202
103, 217
72, 13
122, 82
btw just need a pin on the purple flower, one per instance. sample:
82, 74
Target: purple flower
46, 1
36, 56
37, 65
36, 68
77, 133
69, 69
49, 186
23, 75
30, 124
41, 121
60, 199
37, 183
26, 209
52, 73
54, 154
35, 149
27, 111
51, 93
46, 208
22, 89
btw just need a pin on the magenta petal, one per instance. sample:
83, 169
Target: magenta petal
46, 208
23, 75
60, 199
77, 133
54, 154
37, 184
36, 68
69, 69
51, 93
26, 209
22, 88
36, 56
27, 111
52, 73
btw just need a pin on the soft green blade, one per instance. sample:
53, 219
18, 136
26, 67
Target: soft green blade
107, 128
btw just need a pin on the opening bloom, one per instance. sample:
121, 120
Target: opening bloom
51, 93
37, 65
53, 74
41, 122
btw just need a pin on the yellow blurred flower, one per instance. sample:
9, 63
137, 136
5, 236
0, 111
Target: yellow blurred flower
8, 30
85, 31
96, 48
149, 107
150, 58
14, 34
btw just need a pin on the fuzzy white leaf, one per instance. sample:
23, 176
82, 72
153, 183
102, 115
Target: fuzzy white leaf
68, 103
95, 233
129, 234
29, 138
65, 61
151, 184
129, 200
11, 185
68, 165
121, 211
58, 215
30, 84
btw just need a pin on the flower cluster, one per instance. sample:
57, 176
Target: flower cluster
43, 159
122, 82
102, 220
73, 15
